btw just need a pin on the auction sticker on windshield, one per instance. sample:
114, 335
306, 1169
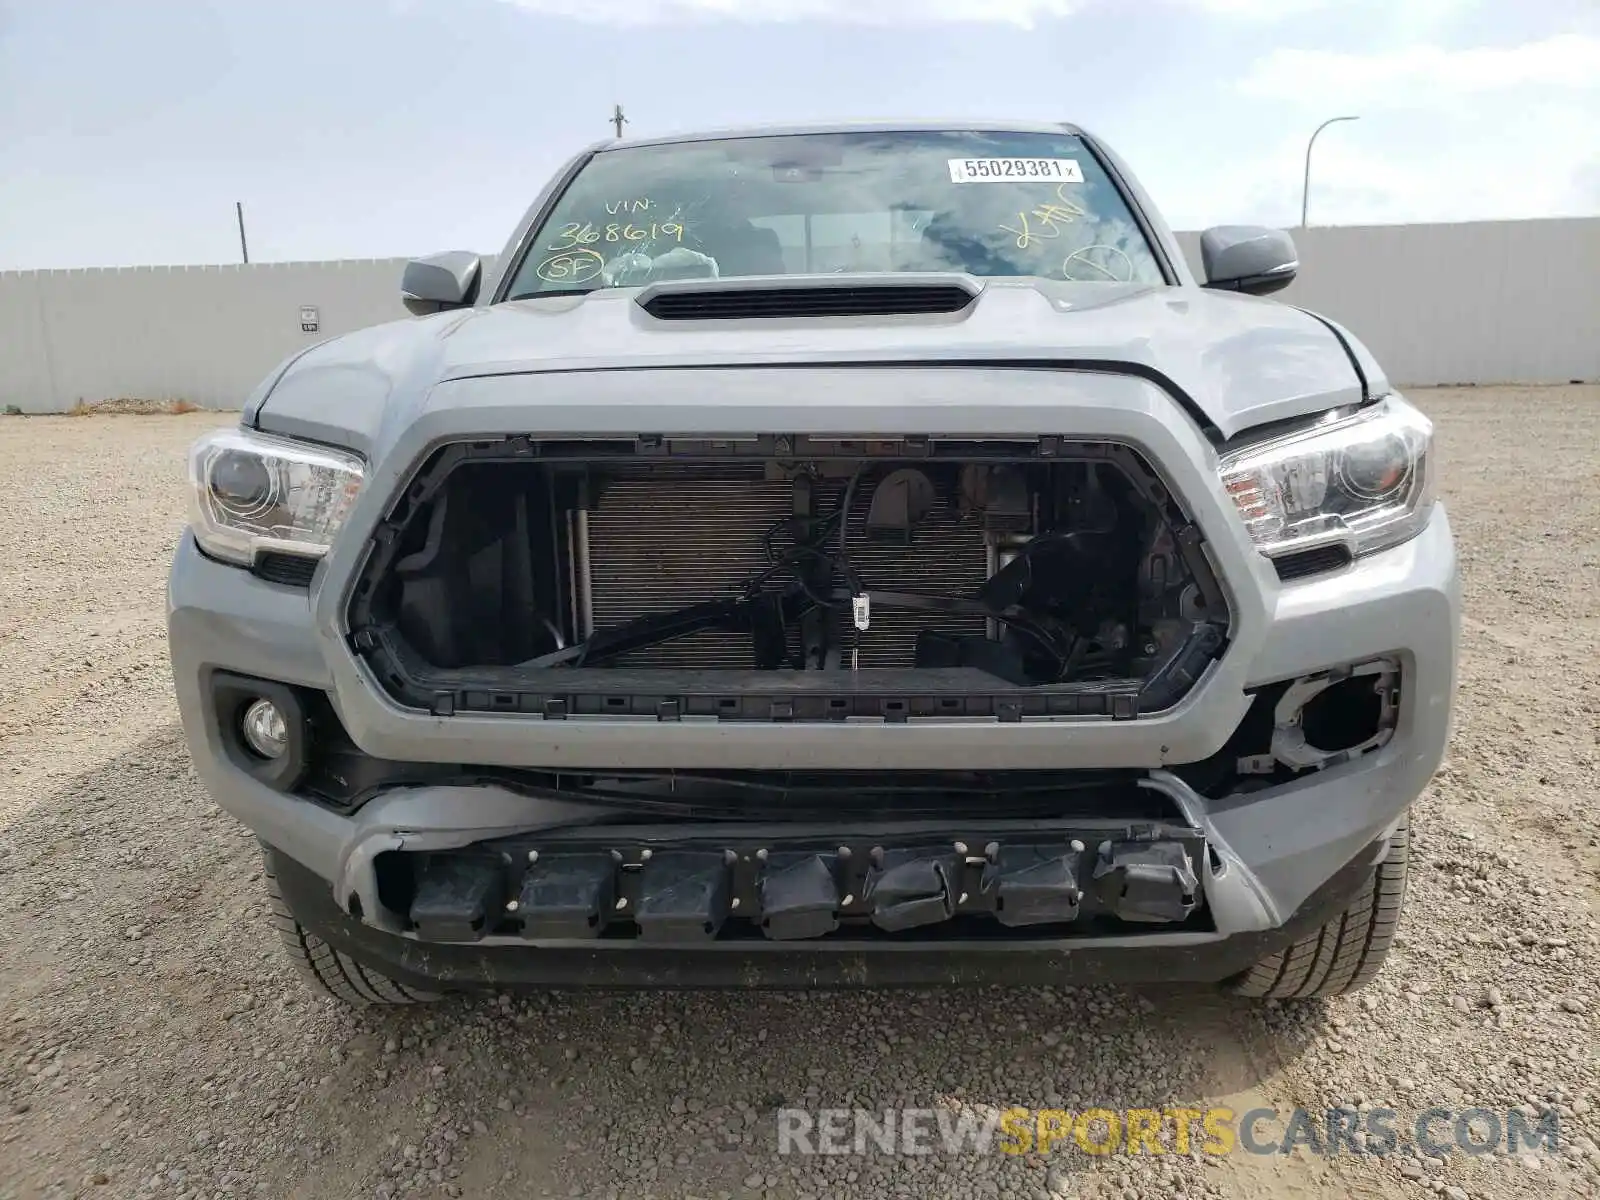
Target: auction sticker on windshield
1014, 170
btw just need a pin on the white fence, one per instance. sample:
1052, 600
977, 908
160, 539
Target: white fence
203, 334
1473, 303
1483, 302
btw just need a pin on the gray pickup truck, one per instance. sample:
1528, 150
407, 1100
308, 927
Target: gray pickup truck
827, 556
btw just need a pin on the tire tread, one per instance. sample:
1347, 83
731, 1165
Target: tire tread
1347, 952
326, 969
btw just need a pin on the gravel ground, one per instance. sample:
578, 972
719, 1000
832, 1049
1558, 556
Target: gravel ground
153, 1041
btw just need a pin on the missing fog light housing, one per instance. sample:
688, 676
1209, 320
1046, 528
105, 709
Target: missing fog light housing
1330, 718
1363, 481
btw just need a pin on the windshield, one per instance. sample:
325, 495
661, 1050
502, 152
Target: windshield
991, 204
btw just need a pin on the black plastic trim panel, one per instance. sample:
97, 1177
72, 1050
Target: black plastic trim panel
735, 304
290, 570
1317, 560
555, 693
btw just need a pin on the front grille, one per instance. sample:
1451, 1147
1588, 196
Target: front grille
732, 304
663, 543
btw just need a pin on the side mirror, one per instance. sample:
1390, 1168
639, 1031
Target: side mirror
1248, 258
441, 281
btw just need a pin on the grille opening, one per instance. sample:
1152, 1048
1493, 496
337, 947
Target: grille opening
863, 583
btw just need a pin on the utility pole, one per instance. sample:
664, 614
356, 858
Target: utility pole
244, 249
618, 119
1305, 187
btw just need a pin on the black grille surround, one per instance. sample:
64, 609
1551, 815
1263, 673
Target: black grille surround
737, 304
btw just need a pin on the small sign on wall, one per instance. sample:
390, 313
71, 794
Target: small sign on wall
310, 319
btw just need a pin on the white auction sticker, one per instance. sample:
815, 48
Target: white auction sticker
1015, 170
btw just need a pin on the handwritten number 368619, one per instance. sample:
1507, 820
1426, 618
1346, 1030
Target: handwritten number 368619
585, 233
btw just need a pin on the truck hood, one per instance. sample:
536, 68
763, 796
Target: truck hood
1232, 361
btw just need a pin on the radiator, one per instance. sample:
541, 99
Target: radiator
664, 541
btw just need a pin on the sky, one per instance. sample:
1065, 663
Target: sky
376, 128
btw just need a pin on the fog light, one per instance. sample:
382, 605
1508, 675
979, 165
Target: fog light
264, 729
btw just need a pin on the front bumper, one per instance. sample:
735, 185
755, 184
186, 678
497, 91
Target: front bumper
1266, 862
1274, 862
828, 963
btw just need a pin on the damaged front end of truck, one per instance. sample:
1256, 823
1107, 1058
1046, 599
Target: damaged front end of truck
713, 612
785, 578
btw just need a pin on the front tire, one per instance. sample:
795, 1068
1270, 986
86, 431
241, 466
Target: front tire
1347, 952
326, 969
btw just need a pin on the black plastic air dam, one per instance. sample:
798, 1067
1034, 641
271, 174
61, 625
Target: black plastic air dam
781, 578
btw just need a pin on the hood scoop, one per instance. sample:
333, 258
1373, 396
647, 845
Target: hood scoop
780, 296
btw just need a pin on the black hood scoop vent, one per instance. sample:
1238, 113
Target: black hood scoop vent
808, 296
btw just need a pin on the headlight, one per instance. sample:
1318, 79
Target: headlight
1365, 481
250, 492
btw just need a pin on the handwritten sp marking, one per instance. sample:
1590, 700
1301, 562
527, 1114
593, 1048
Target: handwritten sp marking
570, 266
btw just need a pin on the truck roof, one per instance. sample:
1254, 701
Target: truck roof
880, 126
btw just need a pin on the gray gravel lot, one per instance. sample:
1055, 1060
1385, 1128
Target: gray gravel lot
153, 1041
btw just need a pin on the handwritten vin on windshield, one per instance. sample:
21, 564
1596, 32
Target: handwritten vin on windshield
586, 233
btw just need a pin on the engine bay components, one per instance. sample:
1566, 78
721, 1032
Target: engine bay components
1036, 565
901, 501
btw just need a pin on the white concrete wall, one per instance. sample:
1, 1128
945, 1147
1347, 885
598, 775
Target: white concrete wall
1473, 303
1483, 302
203, 334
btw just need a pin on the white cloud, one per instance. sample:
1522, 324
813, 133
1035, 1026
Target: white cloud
1426, 75
1409, 16
1541, 161
1022, 13
1256, 10
1450, 134
1351, 185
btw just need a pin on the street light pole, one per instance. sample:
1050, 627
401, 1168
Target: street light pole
1305, 187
